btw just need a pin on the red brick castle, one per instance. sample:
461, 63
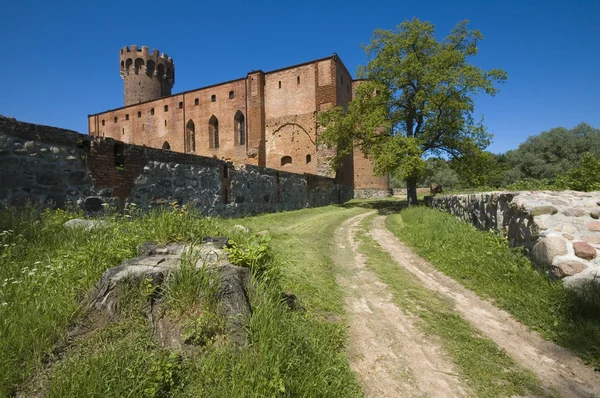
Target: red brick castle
265, 119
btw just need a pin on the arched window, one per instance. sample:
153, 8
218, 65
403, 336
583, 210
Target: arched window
190, 137
239, 124
122, 65
139, 63
160, 70
128, 63
213, 132
286, 160
166, 146
150, 68
308, 159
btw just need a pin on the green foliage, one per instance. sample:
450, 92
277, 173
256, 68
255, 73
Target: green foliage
585, 177
203, 329
439, 173
484, 263
255, 254
480, 168
531, 184
416, 101
552, 152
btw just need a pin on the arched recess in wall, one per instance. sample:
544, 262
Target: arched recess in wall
139, 64
166, 146
213, 132
128, 63
190, 137
286, 160
239, 123
150, 68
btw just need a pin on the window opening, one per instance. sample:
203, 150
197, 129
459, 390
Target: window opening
115, 119
213, 98
280, 84
119, 155
308, 159
213, 133
286, 160
298, 80
180, 104
152, 111
231, 95
166, 146
127, 116
239, 123
190, 136
166, 108
196, 101
140, 114
103, 122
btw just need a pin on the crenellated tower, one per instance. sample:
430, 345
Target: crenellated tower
146, 76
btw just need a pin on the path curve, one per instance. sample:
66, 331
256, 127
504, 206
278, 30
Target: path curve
554, 366
387, 351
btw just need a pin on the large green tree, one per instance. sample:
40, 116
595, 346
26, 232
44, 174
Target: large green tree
416, 101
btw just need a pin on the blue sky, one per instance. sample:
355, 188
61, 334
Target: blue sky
61, 59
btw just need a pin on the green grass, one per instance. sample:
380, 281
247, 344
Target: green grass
46, 271
484, 263
500, 377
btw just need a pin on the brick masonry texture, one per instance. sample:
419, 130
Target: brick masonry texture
279, 111
556, 229
58, 167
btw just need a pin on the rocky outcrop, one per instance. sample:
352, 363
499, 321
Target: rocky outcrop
558, 230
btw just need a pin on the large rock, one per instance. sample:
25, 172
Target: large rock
584, 250
545, 250
567, 268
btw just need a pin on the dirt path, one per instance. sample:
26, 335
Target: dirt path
553, 365
390, 355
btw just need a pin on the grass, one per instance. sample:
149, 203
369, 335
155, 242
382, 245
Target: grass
46, 271
484, 263
500, 377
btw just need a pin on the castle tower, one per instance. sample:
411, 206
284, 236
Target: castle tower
146, 76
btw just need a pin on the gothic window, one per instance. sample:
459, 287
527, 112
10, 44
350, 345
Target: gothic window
213, 132
286, 160
190, 137
240, 128
166, 146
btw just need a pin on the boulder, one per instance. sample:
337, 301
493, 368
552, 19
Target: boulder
567, 268
584, 250
539, 210
545, 250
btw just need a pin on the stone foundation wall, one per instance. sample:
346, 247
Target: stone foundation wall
559, 231
372, 193
59, 167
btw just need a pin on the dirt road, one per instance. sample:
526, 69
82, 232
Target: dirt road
393, 358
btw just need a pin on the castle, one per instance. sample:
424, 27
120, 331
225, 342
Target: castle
266, 119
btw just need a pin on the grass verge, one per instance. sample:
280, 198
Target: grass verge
500, 377
46, 270
484, 263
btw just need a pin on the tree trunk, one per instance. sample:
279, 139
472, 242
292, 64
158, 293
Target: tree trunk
411, 191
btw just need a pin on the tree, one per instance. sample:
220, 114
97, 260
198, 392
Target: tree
415, 101
480, 169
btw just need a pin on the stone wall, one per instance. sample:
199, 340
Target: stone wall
559, 231
55, 166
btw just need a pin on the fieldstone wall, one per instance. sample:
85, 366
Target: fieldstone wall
559, 231
372, 193
58, 167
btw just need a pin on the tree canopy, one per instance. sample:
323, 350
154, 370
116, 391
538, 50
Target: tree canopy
416, 101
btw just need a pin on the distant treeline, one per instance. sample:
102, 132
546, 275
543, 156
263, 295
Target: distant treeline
555, 159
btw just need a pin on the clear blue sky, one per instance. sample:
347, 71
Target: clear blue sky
61, 58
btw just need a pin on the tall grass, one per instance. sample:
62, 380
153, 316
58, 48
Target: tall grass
484, 263
46, 271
